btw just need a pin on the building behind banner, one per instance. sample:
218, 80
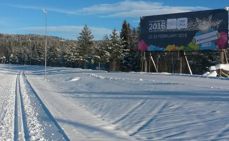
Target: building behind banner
190, 31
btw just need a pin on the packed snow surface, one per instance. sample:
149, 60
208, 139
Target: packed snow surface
88, 105
75, 79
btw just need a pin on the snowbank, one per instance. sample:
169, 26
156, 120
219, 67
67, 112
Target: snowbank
222, 67
218, 70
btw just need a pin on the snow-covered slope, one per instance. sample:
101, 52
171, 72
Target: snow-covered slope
100, 106
145, 106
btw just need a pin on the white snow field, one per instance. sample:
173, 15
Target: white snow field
86, 105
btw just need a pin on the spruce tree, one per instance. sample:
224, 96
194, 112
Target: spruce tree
104, 52
128, 37
134, 56
85, 44
53, 55
71, 55
125, 34
116, 50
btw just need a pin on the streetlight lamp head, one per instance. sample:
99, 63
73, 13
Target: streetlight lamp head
44, 11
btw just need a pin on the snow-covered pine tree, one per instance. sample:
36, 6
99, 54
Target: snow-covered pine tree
105, 57
129, 40
71, 55
85, 44
134, 54
116, 50
53, 55
103, 53
125, 36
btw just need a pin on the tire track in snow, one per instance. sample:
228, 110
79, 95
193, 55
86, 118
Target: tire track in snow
152, 116
130, 111
220, 133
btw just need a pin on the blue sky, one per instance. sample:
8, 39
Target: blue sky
67, 17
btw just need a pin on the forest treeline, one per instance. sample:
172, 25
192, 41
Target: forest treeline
116, 52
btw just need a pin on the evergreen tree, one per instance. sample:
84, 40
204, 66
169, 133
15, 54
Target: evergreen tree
53, 56
116, 50
125, 35
134, 56
103, 53
105, 56
71, 55
129, 39
85, 44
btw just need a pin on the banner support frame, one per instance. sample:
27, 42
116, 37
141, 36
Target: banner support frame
187, 62
154, 64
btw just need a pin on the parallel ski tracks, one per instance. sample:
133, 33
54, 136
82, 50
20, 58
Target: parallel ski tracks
21, 129
20, 125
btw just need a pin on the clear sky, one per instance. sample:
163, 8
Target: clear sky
67, 17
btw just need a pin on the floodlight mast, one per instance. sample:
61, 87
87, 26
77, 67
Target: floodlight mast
45, 13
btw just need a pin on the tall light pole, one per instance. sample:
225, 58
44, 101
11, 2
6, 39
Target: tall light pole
45, 12
31, 50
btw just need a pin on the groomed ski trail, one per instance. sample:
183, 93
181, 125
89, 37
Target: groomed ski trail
32, 120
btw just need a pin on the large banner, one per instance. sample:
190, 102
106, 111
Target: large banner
191, 31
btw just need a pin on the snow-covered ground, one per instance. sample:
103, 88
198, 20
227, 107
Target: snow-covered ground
7, 94
87, 105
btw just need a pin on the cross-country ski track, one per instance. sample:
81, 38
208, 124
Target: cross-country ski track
32, 120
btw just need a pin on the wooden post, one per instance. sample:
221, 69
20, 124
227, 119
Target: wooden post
145, 62
151, 57
142, 62
186, 59
221, 57
149, 65
172, 62
158, 57
181, 61
225, 55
